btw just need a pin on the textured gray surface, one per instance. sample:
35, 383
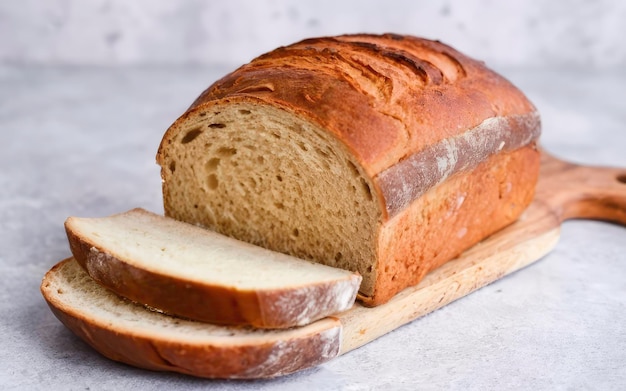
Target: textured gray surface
557, 33
78, 141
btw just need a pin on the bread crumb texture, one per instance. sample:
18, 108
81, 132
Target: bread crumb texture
263, 174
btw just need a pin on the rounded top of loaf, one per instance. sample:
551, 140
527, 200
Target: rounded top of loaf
385, 97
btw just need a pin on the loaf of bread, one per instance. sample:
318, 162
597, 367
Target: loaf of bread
130, 333
385, 155
192, 272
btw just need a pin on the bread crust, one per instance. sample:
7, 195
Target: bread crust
466, 208
208, 302
267, 355
385, 97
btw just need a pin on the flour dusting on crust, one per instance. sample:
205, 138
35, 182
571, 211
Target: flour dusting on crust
410, 178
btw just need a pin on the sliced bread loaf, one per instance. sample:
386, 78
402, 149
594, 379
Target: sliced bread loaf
383, 154
130, 333
189, 271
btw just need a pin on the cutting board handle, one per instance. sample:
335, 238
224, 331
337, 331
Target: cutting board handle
573, 191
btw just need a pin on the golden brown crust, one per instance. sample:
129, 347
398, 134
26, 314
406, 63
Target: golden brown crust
277, 308
210, 357
465, 209
386, 97
225, 362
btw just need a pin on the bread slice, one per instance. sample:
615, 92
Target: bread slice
387, 155
130, 333
189, 271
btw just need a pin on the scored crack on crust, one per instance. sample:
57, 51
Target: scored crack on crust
433, 92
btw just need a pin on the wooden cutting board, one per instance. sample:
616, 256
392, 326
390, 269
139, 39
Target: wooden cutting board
565, 191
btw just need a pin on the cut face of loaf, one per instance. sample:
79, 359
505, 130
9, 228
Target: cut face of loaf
198, 274
386, 155
281, 183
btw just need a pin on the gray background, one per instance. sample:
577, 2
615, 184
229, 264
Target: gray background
87, 89
527, 33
